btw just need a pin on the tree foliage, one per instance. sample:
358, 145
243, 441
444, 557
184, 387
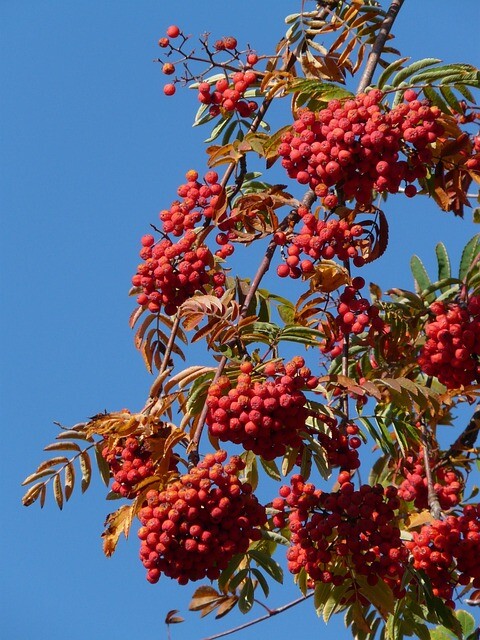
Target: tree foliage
297, 386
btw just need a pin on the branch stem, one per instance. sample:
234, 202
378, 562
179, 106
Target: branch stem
273, 612
376, 52
433, 502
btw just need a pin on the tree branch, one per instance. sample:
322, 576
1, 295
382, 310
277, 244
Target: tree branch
273, 612
433, 502
467, 439
379, 44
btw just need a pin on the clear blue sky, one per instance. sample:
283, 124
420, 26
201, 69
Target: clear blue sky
91, 151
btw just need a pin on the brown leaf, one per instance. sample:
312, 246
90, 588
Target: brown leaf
172, 618
69, 480
62, 446
57, 491
116, 523
32, 494
203, 597
226, 606
86, 469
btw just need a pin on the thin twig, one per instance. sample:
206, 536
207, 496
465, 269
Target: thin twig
433, 502
272, 613
467, 439
376, 52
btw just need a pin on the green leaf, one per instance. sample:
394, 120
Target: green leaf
413, 68
271, 469
444, 268
466, 93
333, 603
420, 275
321, 595
261, 581
467, 621
389, 71
245, 601
380, 596
450, 98
436, 100
273, 536
218, 128
304, 335
268, 563
238, 578
230, 570
470, 252
287, 314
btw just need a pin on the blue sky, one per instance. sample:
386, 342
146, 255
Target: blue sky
92, 150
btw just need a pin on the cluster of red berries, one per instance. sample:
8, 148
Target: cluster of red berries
168, 68
319, 239
172, 32
171, 273
227, 94
227, 43
356, 145
356, 314
447, 550
197, 200
452, 350
448, 483
226, 224
193, 528
336, 534
264, 416
129, 462
341, 445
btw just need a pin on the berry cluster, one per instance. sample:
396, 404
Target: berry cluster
452, 350
336, 534
264, 416
356, 314
129, 462
320, 239
356, 145
341, 445
193, 528
447, 550
448, 483
227, 43
197, 200
171, 273
227, 94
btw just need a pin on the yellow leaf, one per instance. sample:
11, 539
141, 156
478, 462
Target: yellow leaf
116, 524
328, 276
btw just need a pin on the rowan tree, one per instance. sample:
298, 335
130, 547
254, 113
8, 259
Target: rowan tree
253, 461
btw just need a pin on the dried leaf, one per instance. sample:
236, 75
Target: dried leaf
62, 446
328, 276
86, 469
203, 597
57, 491
116, 523
69, 480
172, 618
32, 494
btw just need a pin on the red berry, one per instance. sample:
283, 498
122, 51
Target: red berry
173, 31
169, 89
